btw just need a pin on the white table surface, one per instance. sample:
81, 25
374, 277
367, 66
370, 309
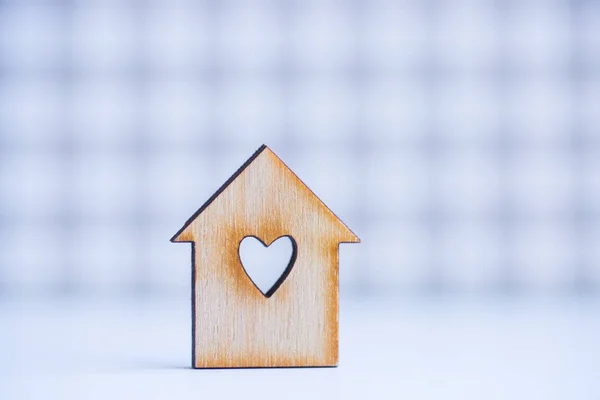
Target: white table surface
407, 348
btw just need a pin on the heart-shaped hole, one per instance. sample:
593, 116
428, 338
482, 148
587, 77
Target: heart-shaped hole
267, 266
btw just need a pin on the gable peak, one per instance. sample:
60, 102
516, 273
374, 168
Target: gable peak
264, 162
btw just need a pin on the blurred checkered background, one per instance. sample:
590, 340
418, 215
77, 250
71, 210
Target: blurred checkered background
459, 139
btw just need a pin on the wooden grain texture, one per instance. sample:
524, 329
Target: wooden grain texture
234, 324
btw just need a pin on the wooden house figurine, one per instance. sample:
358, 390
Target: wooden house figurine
295, 324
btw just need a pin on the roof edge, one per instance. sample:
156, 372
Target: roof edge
322, 204
218, 192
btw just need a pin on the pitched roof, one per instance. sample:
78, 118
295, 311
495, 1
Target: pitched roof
261, 151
